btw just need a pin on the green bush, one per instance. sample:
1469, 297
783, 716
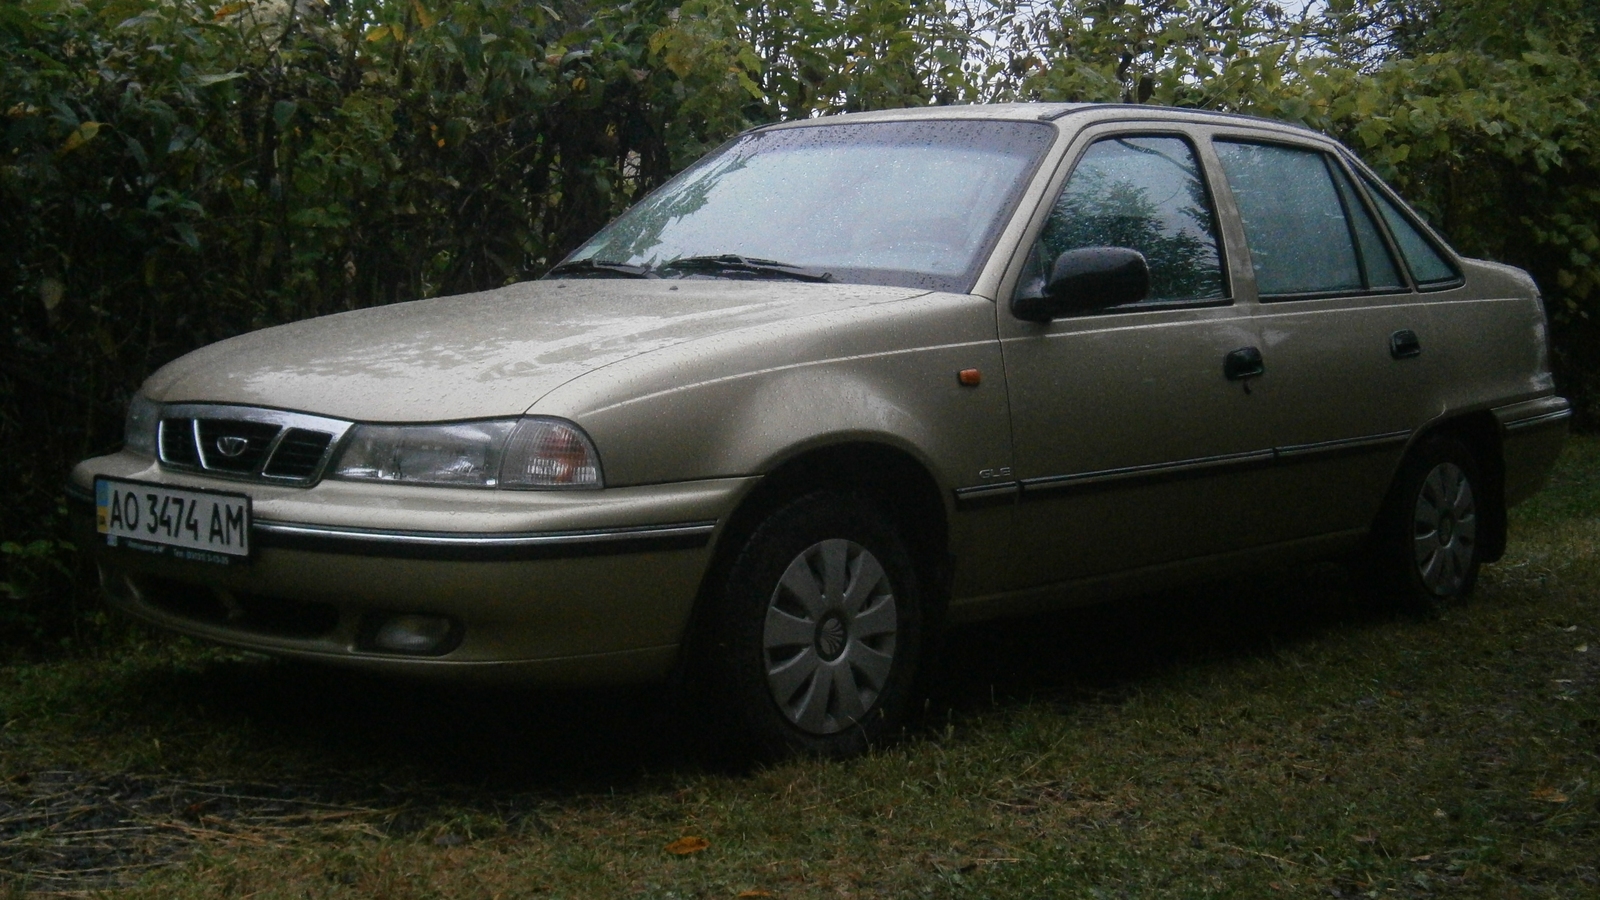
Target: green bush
177, 172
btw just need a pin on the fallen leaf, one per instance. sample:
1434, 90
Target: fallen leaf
1366, 838
686, 845
1570, 628
1440, 814
757, 893
1423, 858
1583, 648
1549, 795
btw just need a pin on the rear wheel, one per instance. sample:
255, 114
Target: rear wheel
1429, 536
819, 630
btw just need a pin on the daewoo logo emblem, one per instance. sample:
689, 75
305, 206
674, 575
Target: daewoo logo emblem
231, 445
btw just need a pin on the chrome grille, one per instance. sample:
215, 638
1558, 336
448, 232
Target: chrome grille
228, 445
178, 443
248, 443
299, 454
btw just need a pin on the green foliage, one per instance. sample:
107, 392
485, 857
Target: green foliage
177, 171
826, 56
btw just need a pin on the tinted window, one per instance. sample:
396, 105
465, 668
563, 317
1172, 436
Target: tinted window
1299, 239
1428, 266
1144, 193
1376, 263
912, 203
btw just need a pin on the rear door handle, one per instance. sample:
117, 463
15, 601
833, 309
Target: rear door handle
1243, 363
1404, 344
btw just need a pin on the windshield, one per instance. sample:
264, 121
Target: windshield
915, 203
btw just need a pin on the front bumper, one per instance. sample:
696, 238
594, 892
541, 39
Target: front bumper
548, 587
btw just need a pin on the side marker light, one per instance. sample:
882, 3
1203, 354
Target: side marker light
970, 377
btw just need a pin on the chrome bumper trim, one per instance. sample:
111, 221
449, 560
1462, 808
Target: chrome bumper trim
1533, 413
481, 546
1551, 418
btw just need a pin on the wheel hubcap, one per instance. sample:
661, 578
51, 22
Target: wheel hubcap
829, 637
1444, 530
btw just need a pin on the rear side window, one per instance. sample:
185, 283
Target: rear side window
1145, 193
1428, 265
1294, 219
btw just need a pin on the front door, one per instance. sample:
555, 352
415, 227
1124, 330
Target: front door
1133, 445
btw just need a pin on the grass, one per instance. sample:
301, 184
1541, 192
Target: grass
1263, 738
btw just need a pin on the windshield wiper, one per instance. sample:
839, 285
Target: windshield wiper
602, 268
744, 265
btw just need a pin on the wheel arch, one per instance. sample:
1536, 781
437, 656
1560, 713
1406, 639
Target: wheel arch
886, 474
890, 476
1481, 432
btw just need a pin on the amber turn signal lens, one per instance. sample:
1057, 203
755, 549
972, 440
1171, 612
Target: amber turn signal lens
970, 377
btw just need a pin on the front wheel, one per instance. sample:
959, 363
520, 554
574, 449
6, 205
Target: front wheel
819, 630
1429, 538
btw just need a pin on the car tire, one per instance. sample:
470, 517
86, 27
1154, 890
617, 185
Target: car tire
1428, 547
818, 631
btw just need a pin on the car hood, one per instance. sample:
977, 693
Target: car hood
487, 354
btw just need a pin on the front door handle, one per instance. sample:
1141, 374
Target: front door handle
1404, 344
1243, 363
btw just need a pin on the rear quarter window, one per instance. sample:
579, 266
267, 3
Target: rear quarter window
1428, 266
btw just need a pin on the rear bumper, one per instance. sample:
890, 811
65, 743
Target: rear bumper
575, 601
1531, 435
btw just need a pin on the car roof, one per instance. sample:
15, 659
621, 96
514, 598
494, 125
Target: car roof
1050, 112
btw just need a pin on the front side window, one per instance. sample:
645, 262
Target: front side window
1143, 193
914, 203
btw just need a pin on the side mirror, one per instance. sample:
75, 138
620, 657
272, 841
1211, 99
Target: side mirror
1085, 280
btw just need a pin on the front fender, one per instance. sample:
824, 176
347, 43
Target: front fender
741, 403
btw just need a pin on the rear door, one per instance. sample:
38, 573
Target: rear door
1347, 374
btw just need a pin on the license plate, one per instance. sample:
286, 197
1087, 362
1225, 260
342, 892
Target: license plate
205, 526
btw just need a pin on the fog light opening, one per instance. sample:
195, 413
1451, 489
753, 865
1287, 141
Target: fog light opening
414, 634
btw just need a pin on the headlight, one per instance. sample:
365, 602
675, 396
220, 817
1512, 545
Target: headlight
139, 428
532, 452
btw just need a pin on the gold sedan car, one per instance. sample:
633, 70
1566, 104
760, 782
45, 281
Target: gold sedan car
844, 383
